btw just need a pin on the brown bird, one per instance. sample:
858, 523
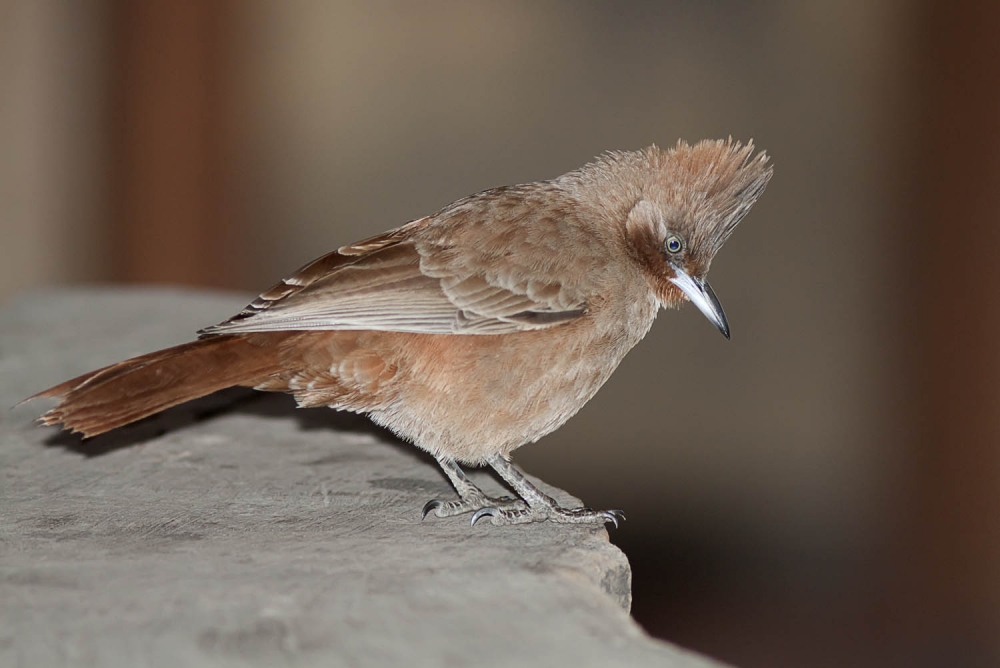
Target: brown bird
472, 331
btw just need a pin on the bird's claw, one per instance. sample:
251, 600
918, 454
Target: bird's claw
614, 516
483, 512
433, 504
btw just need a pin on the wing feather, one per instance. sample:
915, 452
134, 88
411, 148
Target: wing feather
403, 282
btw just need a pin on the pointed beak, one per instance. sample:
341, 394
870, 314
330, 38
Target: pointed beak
701, 295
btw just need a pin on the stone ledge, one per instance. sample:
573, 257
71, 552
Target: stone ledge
237, 529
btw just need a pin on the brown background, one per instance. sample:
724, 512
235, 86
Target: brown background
824, 489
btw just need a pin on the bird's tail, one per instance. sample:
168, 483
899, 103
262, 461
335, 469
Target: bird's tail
116, 395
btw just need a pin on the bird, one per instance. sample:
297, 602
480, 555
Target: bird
472, 331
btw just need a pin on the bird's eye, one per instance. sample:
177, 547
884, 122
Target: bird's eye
673, 244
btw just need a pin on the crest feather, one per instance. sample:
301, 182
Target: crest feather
721, 180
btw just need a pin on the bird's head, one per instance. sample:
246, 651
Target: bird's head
690, 202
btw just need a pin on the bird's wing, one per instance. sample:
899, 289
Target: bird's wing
412, 280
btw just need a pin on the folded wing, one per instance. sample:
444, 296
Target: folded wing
408, 280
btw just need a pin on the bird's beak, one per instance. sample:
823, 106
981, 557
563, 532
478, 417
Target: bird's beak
701, 295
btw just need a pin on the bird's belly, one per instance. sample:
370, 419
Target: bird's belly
470, 397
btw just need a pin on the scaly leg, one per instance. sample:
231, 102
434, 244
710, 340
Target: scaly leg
470, 497
540, 506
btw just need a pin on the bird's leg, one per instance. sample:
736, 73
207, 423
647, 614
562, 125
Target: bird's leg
540, 506
470, 497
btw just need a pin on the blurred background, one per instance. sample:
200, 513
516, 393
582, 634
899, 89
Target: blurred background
824, 489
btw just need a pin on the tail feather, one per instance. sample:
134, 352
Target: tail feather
121, 393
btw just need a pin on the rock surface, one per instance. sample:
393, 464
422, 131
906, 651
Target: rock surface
239, 530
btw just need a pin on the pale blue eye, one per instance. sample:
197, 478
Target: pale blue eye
673, 244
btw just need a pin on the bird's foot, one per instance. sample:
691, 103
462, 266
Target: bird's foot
553, 513
470, 503
471, 498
